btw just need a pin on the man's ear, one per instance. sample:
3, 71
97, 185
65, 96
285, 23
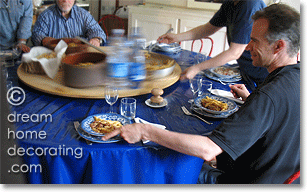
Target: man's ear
279, 45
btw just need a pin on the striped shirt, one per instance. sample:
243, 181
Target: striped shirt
51, 23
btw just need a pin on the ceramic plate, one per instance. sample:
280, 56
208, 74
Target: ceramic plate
225, 72
148, 103
231, 104
169, 48
96, 139
216, 116
85, 124
212, 76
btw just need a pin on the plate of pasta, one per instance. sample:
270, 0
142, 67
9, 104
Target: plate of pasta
215, 104
225, 72
101, 124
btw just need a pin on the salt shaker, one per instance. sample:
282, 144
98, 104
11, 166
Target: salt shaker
156, 98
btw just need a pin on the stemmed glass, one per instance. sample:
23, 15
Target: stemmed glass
111, 96
195, 85
201, 57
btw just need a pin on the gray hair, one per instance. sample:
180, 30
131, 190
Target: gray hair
284, 23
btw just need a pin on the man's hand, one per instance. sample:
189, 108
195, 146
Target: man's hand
24, 48
95, 41
132, 133
239, 90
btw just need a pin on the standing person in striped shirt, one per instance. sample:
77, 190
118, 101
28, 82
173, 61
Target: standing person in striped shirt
66, 20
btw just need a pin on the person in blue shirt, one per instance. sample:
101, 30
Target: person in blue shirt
66, 20
236, 17
16, 21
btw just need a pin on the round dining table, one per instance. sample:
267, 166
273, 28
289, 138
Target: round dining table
53, 152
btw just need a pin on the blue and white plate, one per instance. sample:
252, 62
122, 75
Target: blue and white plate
236, 72
231, 104
96, 139
216, 116
168, 48
85, 124
212, 76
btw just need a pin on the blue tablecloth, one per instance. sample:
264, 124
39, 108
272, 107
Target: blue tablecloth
108, 163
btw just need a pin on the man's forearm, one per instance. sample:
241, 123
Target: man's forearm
195, 145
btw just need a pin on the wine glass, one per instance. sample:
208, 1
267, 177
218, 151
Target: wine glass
111, 96
195, 85
201, 57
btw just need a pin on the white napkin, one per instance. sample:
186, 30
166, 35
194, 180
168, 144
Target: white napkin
50, 66
226, 94
139, 120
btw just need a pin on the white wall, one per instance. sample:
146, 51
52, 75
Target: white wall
107, 6
292, 3
180, 3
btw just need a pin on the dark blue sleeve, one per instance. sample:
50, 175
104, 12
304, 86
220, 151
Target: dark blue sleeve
220, 17
243, 22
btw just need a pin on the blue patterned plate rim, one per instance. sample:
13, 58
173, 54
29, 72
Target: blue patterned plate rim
210, 75
216, 116
231, 104
85, 124
225, 76
96, 139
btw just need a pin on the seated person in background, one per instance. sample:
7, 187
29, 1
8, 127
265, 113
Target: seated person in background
236, 17
260, 143
66, 20
16, 21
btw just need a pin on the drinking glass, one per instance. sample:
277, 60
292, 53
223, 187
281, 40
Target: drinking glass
206, 87
128, 108
16, 51
200, 57
111, 96
195, 85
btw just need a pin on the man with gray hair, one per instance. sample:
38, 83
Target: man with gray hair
260, 143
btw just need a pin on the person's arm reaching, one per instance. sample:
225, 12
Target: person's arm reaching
234, 52
195, 145
193, 34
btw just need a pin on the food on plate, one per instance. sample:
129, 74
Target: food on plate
226, 71
72, 45
47, 55
85, 64
214, 104
146, 54
104, 126
156, 65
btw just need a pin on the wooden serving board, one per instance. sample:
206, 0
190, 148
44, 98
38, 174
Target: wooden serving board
56, 86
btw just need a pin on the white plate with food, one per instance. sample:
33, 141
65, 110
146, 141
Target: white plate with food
215, 104
212, 76
225, 72
100, 124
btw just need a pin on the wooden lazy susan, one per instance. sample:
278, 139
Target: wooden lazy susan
57, 86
